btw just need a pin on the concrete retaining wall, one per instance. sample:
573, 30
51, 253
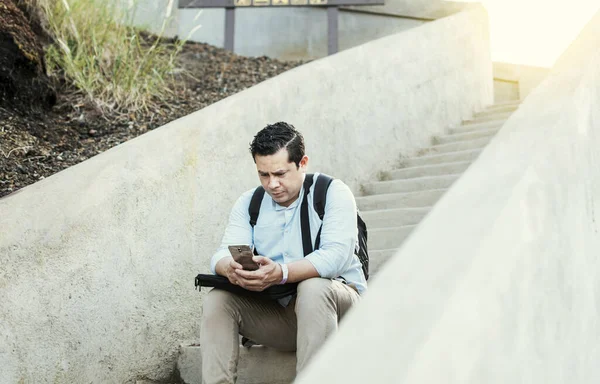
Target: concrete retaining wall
516, 82
501, 282
98, 260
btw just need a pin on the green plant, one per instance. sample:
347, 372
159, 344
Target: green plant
116, 65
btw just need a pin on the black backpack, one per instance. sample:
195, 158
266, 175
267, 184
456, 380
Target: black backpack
319, 201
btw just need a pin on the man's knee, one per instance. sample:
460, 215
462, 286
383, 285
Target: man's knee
315, 286
217, 302
314, 292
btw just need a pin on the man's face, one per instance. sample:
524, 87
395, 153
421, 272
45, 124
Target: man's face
280, 178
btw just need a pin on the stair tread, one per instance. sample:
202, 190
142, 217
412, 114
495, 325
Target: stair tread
445, 154
380, 195
477, 121
509, 102
408, 209
408, 226
491, 131
433, 165
413, 179
477, 126
478, 140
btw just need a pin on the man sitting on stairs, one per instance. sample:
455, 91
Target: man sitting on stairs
300, 322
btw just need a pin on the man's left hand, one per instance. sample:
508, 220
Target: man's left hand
269, 273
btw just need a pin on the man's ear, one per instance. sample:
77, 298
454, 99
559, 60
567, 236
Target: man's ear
303, 163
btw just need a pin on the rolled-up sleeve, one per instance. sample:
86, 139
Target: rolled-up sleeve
338, 234
238, 231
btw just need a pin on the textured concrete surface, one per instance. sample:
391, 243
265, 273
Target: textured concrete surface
289, 33
505, 90
394, 206
513, 81
98, 261
500, 282
418, 9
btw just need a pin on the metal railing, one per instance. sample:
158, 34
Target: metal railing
230, 6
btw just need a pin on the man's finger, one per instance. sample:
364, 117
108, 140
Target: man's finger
261, 260
235, 265
249, 275
252, 285
256, 289
247, 284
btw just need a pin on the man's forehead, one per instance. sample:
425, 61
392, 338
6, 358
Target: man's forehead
267, 169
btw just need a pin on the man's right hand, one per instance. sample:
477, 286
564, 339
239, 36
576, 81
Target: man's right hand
226, 267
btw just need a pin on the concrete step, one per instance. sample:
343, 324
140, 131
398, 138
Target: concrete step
427, 170
377, 260
499, 108
497, 124
488, 117
399, 200
385, 238
410, 185
509, 102
457, 146
493, 112
252, 366
450, 157
398, 217
466, 136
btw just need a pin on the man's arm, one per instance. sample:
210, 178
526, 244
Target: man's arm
238, 231
270, 273
338, 234
335, 253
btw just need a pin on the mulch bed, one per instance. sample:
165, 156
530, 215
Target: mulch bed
35, 145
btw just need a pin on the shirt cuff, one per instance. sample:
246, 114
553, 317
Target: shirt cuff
221, 254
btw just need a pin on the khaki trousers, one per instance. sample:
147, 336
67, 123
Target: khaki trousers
302, 326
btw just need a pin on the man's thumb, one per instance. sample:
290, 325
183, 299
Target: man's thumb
261, 260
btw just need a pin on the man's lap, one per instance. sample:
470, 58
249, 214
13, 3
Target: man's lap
267, 322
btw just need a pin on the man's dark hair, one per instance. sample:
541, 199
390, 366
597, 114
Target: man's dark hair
274, 137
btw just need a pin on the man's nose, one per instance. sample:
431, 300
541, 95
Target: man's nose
274, 182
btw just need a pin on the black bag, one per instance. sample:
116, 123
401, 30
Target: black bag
221, 282
319, 201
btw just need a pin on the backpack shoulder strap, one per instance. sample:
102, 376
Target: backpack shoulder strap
320, 194
319, 201
304, 220
254, 207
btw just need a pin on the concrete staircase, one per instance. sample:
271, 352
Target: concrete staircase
392, 208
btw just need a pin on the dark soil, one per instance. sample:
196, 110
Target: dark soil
36, 144
23, 80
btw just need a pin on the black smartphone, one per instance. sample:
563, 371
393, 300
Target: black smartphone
243, 255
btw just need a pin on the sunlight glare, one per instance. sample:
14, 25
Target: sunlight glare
535, 32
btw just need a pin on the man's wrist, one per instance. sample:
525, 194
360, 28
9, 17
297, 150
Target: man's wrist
284, 274
222, 265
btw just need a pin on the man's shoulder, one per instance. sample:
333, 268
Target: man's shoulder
335, 181
337, 186
245, 197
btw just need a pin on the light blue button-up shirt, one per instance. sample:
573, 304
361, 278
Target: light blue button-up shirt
278, 234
